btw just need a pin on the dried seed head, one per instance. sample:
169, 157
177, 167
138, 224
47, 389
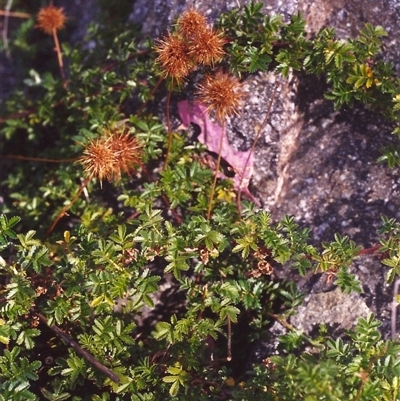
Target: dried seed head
191, 23
207, 48
127, 152
221, 93
114, 153
51, 19
98, 159
173, 57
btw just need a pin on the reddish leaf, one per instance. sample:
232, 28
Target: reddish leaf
241, 162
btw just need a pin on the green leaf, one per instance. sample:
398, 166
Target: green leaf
229, 311
173, 390
163, 330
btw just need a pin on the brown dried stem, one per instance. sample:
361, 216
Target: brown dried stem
67, 207
73, 344
167, 113
5, 28
214, 184
38, 159
288, 326
15, 14
59, 54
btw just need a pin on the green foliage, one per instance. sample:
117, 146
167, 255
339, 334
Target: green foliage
91, 296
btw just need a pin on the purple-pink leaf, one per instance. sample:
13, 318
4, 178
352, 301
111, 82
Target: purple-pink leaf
241, 162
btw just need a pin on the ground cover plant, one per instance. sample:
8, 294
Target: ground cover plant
107, 209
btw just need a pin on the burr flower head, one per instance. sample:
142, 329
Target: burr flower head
191, 23
221, 93
109, 156
192, 45
173, 57
207, 48
51, 19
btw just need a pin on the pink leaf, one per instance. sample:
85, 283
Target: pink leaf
241, 162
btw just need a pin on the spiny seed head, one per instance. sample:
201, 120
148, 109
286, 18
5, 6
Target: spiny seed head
221, 93
173, 57
112, 154
51, 19
191, 23
207, 48
98, 159
127, 152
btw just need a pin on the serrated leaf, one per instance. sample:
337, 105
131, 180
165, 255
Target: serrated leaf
163, 330
170, 379
173, 391
97, 301
174, 370
229, 311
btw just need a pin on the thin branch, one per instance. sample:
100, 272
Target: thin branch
131, 56
214, 184
14, 14
59, 54
288, 326
372, 250
67, 207
163, 197
5, 28
38, 159
141, 108
364, 375
229, 357
395, 304
73, 344
258, 132
167, 113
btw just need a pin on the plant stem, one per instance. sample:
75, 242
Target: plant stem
287, 325
151, 94
210, 202
39, 159
59, 54
15, 14
163, 197
395, 303
168, 128
85, 354
67, 207
229, 357
5, 28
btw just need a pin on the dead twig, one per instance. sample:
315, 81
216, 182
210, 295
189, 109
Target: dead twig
67, 207
38, 159
85, 354
214, 184
288, 326
5, 28
15, 14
